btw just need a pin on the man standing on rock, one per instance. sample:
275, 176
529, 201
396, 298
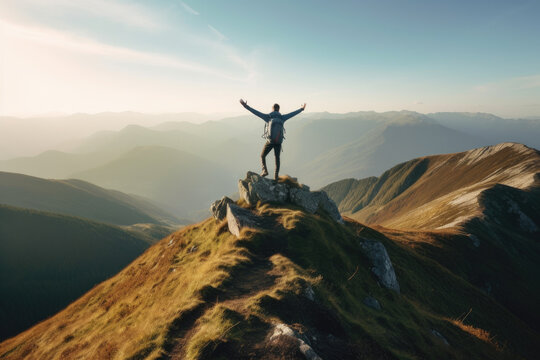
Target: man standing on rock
273, 132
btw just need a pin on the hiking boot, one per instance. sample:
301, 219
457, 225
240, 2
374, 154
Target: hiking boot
264, 173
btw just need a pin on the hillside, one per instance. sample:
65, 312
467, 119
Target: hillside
53, 163
437, 191
295, 285
179, 181
79, 198
48, 260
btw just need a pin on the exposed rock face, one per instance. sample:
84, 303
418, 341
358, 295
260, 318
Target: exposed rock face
382, 266
219, 207
239, 218
255, 188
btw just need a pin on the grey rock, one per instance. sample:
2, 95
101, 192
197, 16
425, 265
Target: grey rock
439, 336
308, 351
371, 302
305, 198
219, 207
239, 218
255, 188
303, 346
330, 207
382, 266
309, 293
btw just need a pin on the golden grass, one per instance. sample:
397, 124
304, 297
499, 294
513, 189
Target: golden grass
132, 311
159, 305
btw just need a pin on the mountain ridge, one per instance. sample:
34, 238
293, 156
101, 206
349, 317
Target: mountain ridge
292, 282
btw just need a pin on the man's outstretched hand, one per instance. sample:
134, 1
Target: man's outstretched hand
243, 102
304, 106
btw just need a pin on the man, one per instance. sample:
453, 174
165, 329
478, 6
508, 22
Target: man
273, 132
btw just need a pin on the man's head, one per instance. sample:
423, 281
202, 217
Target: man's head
276, 107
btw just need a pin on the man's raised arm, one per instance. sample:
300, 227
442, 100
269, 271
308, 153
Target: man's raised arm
294, 113
265, 117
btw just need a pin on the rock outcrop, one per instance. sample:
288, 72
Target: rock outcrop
255, 188
239, 218
303, 345
382, 266
219, 207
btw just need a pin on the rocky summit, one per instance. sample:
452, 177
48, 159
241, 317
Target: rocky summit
255, 188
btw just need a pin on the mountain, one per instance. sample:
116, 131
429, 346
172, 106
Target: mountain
385, 145
494, 128
437, 191
33, 135
180, 181
117, 142
53, 163
291, 285
48, 260
79, 198
491, 195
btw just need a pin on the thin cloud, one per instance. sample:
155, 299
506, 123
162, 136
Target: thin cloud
218, 33
79, 44
118, 12
189, 9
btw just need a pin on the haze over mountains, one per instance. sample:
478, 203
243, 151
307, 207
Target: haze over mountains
319, 148
79, 198
58, 238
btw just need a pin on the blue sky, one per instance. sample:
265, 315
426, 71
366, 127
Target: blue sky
167, 56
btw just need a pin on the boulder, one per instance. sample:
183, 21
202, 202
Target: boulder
255, 188
303, 345
219, 207
382, 266
305, 198
330, 207
239, 218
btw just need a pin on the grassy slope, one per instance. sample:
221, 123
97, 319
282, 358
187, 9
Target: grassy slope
412, 194
159, 306
48, 260
78, 198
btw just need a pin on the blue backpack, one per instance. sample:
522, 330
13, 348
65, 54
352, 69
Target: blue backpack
274, 131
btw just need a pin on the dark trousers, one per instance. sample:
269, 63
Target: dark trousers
266, 149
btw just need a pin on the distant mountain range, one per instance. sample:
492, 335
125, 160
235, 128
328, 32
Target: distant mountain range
320, 148
179, 180
58, 238
80, 198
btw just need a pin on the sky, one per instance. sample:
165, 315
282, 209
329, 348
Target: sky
69, 56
